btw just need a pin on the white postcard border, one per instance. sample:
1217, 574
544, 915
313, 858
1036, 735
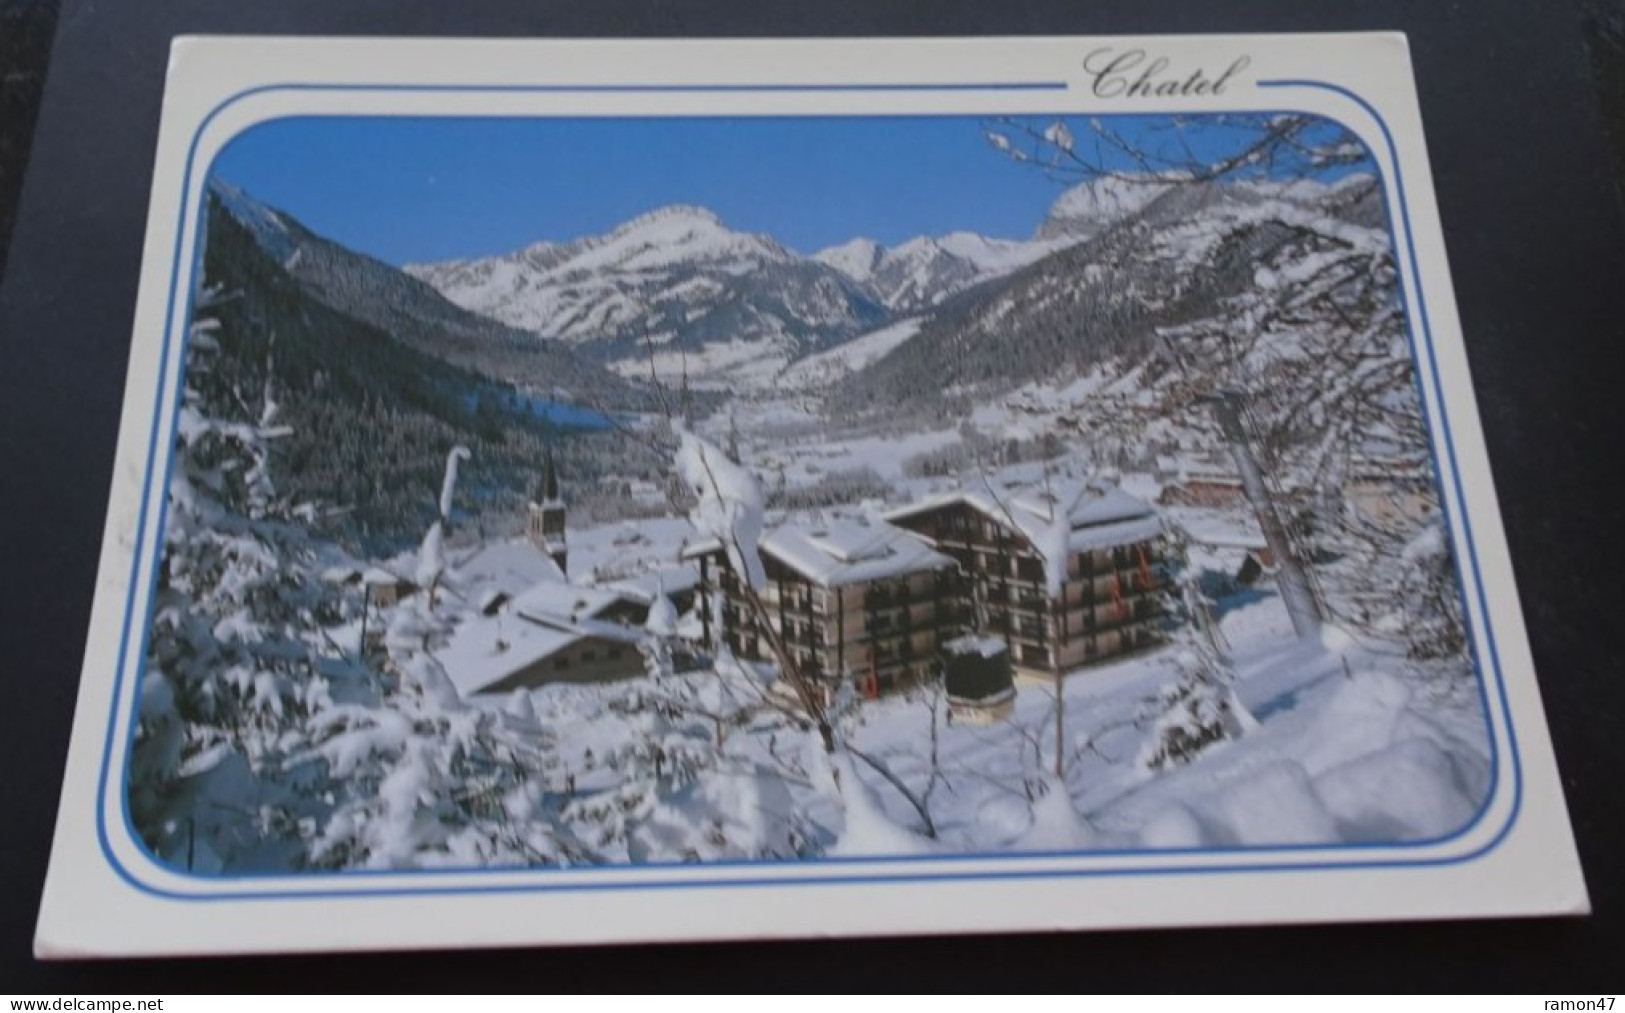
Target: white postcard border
1518, 854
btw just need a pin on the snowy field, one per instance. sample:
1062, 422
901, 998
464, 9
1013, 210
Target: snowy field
1337, 740
1252, 737
1343, 743
1340, 740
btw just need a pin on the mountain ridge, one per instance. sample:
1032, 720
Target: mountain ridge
373, 292
678, 278
672, 278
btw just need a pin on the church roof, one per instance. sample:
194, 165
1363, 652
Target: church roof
547, 485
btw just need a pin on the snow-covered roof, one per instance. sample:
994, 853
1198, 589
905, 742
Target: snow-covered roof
851, 552
1100, 516
1208, 471
700, 547
474, 662
1223, 532
483, 652
842, 552
1106, 536
340, 574
512, 567
970, 643
566, 604
601, 629
666, 580
377, 576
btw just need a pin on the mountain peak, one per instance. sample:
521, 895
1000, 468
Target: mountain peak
672, 213
855, 258
673, 236
268, 226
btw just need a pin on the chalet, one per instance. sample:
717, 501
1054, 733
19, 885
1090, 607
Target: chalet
378, 587
552, 633
1110, 599
1233, 544
385, 588
1200, 483
850, 599
493, 656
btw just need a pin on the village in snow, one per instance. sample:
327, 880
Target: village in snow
1124, 537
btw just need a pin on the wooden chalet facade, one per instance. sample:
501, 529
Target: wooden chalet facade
605, 655
1111, 599
861, 601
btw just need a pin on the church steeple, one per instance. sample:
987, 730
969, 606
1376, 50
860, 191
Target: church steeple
545, 521
549, 488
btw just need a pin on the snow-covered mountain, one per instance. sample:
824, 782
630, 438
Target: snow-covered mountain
376, 294
924, 271
679, 283
1111, 348
1090, 207
855, 258
1196, 253
678, 289
1290, 295
676, 278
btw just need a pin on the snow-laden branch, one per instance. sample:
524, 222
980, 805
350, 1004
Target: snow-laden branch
432, 554
730, 506
914, 800
1055, 547
662, 619
449, 484
1186, 150
432, 557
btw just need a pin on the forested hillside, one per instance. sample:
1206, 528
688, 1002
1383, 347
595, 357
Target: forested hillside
372, 413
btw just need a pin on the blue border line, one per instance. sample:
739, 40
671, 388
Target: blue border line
1455, 472
814, 879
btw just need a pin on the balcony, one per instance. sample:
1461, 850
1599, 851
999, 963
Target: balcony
1030, 600
888, 598
805, 636
1026, 629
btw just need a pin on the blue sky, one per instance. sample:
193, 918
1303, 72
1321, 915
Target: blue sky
408, 189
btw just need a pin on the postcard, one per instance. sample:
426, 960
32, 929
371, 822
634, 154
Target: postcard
606, 491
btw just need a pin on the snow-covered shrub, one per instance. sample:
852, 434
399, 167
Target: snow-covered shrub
235, 668
1195, 711
261, 742
1432, 596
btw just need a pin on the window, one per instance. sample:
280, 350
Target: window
559, 664
1030, 569
614, 652
589, 655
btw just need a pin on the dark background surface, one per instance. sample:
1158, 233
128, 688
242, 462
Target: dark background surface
1537, 247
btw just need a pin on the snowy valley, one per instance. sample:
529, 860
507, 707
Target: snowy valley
539, 559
